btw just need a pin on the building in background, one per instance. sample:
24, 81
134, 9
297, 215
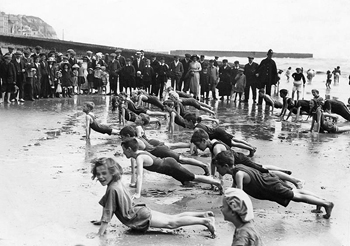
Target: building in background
26, 26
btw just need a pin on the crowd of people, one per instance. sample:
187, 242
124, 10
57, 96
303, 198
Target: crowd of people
136, 81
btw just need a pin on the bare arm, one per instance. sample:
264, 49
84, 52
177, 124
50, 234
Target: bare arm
239, 178
87, 126
140, 100
139, 177
139, 131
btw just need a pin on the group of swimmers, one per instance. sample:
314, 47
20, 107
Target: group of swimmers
264, 182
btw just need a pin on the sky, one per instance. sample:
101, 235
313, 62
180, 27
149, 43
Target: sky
320, 27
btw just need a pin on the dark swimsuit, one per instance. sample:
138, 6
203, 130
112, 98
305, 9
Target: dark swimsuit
240, 158
159, 150
190, 102
136, 110
216, 133
168, 166
94, 125
129, 115
337, 107
154, 101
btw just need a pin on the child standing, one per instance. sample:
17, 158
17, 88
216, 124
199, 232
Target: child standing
297, 84
104, 78
288, 73
147, 75
66, 80
240, 84
81, 76
75, 74
98, 78
204, 81
329, 79
238, 209
118, 201
90, 80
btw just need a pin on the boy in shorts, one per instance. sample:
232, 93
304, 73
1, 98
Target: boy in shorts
297, 84
268, 186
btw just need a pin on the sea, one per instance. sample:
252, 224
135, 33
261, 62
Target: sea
339, 91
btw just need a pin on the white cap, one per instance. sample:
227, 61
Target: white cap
240, 203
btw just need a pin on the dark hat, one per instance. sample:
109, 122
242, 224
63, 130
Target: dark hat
202, 55
38, 47
26, 52
211, 61
42, 54
162, 58
298, 68
187, 55
142, 51
236, 62
176, 56
128, 59
270, 51
18, 53
10, 48
216, 57
250, 57
224, 60
7, 56
195, 56
153, 56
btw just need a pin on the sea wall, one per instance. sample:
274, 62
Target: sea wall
256, 54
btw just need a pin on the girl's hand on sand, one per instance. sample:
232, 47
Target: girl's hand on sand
92, 235
135, 196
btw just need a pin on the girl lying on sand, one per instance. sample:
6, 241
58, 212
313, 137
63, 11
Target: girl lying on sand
118, 201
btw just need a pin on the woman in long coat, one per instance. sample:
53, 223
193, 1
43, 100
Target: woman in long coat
224, 85
193, 70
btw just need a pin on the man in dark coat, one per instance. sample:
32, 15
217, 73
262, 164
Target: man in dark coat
8, 77
139, 65
185, 78
45, 80
155, 65
251, 79
266, 74
176, 71
19, 65
114, 68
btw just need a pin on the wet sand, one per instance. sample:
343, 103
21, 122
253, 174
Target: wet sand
48, 197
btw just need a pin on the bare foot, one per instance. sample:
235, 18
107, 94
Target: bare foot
300, 184
210, 224
317, 210
206, 171
252, 152
208, 214
328, 209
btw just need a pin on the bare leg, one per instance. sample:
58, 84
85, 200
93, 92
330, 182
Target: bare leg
157, 113
194, 162
133, 180
304, 196
204, 105
343, 129
178, 145
207, 110
244, 146
197, 214
297, 182
161, 220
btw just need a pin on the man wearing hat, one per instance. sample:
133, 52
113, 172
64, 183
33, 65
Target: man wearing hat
251, 80
120, 58
216, 61
176, 71
8, 76
37, 52
11, 50
237, 208
20, 75
185, 80
72, 59
139, 65
266, 74
114, 68
45, 80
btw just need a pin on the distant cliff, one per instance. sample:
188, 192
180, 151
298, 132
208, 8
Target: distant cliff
30, 26
256, 54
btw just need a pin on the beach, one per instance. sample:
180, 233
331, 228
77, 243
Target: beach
48, 197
